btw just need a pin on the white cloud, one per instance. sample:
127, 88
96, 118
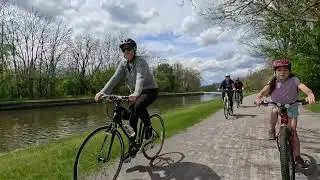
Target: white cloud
128, 12
195, 44
211, 36
159, 48
189, 23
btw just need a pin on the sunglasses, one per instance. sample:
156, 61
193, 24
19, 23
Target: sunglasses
126, 48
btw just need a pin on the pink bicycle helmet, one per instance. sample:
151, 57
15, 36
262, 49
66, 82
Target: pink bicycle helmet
281, 63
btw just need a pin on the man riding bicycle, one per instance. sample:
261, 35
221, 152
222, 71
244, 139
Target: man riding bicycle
239, 87
139, 79
228, 84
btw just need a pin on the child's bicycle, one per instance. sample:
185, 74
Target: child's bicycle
285, 139
101, 154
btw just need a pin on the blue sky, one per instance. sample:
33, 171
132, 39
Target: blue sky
165, 28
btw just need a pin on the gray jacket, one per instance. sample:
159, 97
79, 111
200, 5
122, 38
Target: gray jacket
137, 76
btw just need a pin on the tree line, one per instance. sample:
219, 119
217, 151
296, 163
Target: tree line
276, 29
42, 57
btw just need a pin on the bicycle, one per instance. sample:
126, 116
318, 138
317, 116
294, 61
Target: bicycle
226, 104
100, 151
237, 97
284, 140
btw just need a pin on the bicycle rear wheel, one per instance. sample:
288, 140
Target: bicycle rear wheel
286, 154
100, 155
153, 148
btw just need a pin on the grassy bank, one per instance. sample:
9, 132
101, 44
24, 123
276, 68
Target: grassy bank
246, 93
314, 108
55, 160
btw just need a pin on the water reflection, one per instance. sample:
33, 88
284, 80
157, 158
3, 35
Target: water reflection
36, 126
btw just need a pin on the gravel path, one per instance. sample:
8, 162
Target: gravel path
235, 149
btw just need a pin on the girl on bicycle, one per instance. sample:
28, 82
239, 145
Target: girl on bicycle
283, 88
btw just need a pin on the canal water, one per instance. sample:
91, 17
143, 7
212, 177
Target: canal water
20, 128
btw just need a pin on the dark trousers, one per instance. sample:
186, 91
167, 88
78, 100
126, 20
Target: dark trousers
241, 94
230, 95
139, 108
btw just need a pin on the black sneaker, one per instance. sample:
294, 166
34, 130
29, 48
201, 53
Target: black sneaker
148, 134
304, 164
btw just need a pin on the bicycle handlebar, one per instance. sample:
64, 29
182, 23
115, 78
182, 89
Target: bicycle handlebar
266, 103
226, 90
115, 98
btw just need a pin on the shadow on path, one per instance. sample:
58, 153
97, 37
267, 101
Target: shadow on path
170, 166
313, 172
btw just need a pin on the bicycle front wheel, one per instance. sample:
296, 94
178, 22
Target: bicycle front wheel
152, 149
226, 109
286, 155
100, 155
238, 100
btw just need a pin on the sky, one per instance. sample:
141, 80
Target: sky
168, 29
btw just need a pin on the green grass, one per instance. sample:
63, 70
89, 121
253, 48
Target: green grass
246, 93
55, 160
314, 108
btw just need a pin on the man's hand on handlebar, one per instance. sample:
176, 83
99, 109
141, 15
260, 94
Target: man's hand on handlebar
99, 96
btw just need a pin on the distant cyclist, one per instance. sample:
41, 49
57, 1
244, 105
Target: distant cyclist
239, 87
227, 84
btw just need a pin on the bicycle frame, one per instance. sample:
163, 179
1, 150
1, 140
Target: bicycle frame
226, 97
237, 94
284, 119
117, 122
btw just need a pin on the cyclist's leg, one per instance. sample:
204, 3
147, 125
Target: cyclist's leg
241, 96
133, 123
140, 108
296, 145
273, 122
133, 119
223, 93
230, 94
293, 121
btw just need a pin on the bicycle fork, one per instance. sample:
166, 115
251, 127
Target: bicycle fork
100, 158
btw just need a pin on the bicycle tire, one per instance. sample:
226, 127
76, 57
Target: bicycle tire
114, 134
238, 99
226, 109
158, 134
286, 155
